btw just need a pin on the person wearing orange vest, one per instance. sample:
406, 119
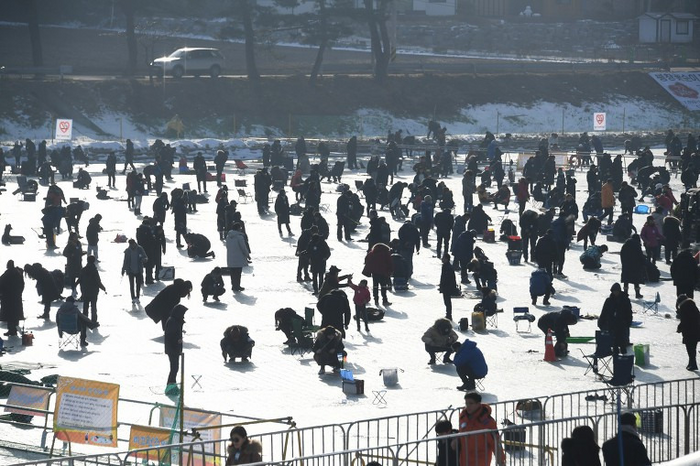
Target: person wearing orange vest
477, 450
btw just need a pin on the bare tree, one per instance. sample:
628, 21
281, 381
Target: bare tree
379, 36
129, 8
34, 35
245, 10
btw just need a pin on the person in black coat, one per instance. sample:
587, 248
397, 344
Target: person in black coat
220, 162
90, 286
213, 284
284, 319
633, 450
327, 346
282, 211
335, 309
559, 322
448, 284
73, 252
546, 252
633, 264
179, 207
92, 235
689, 327
46, 286
173, 340
236, 343
11, 289
616, 318
684, 271
580, 449
671, 231
444, 221
529, 232
161, 307
198, 245
478, 220
160, 208
447, 449
200, 170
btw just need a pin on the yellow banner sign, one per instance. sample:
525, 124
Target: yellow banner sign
36, 398
149, 437
86, 411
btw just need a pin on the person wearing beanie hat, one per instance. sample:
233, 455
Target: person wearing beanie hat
477, 450
634, 453
689, 326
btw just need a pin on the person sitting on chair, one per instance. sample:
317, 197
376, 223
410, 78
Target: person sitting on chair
237, 343
488, 302
502, 196
213, 284
440, 337
69, 308
470, 364
328, 349
284, 319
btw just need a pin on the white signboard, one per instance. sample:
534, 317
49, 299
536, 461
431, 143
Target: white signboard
684, 87
64, 129
599, 122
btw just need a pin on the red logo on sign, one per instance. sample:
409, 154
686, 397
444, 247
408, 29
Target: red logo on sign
600, 119
64, 126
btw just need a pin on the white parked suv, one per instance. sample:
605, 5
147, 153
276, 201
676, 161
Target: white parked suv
193, 61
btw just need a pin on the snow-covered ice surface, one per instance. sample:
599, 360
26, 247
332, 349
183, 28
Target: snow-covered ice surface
127, 349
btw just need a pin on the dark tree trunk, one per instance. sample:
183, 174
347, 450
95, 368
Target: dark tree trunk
129, 7
317, 63
315, 70
34, 35
247, 17
381, 47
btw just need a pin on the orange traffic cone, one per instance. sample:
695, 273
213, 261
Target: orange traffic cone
549, 355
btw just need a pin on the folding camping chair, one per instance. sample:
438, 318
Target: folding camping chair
652, 306
359, 184
243, 195
309, 320
619, 385
304, 341
240, 166
68, 330
521, 314
492, 319
599, 361
27, 188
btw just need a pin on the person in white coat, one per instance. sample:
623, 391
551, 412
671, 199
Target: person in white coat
237, 255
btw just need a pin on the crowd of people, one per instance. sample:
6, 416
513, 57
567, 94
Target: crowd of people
547, 208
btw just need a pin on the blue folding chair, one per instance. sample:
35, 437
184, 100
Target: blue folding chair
599, 361
68, 330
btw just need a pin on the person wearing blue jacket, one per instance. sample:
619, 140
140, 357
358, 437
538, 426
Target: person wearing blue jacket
470, 364
540, 285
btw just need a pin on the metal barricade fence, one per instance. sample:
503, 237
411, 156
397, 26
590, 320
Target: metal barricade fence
531, 444
315, 440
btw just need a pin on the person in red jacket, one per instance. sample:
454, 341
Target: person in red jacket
378, 265
522, 195
477, 450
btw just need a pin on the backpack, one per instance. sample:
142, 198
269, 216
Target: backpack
295, 209
652, 272
480, 254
